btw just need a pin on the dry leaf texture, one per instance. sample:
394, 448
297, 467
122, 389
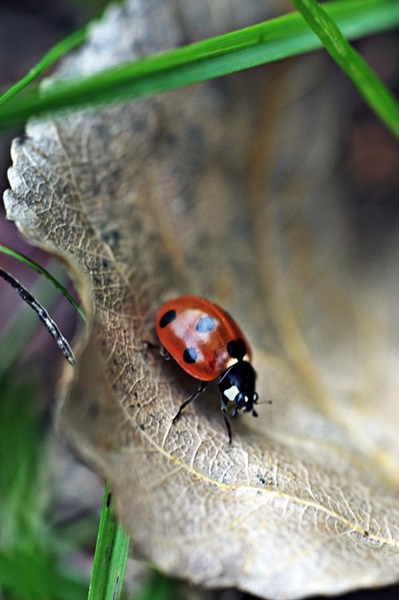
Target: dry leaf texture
224, 190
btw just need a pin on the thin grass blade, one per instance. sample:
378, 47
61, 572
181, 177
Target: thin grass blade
275, 39
111, 554
376, 94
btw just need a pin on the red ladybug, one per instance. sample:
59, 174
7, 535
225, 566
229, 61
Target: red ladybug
208, 344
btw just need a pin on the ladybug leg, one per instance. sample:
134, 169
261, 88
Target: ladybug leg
151, 346
164, 353
199, 391
226, 421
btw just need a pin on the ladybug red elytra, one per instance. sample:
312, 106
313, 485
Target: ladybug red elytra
208, 344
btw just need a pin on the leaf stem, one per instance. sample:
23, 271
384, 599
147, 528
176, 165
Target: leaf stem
43, 315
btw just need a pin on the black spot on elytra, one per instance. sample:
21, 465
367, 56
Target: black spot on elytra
205, 324
237, 349
167, 318
190, 355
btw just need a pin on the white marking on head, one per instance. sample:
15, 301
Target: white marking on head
231, 393
232, 361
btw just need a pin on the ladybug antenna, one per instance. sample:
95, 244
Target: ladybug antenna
263, 402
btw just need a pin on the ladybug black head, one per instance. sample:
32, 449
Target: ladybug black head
237, 384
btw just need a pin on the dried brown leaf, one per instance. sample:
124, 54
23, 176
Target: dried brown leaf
225, 190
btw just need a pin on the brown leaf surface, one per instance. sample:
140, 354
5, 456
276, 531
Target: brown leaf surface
225, 190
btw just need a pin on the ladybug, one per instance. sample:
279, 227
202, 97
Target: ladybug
207, 343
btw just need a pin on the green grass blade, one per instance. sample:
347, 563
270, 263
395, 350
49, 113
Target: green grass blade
259, 44
42, 271
25, 259
111, 554
55, 53
376, 94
